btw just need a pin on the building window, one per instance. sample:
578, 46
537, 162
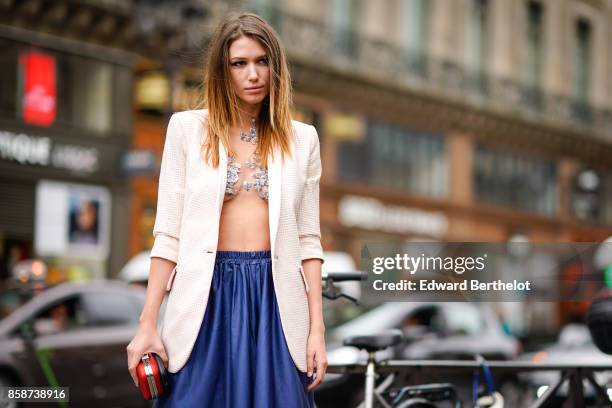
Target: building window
85, 91
477, 45
94, 108
8, 79
592, 196
268, 10
343, 18
606, 213
582, 69
397, 158
532, 68
507, 179
415, 34
582, 59
88, 94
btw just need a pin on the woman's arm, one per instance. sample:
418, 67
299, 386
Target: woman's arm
312, 272
170, 194
156, 290
309, 231
147, 339
167, 228
164, 253
316, 354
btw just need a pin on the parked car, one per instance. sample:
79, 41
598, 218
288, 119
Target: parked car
136, 270
446, 330
74, 335
574, 346
452, 330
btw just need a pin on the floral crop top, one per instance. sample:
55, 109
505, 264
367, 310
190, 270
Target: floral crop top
259, 177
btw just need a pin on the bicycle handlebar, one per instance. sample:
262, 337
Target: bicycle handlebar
345, 276
330, 291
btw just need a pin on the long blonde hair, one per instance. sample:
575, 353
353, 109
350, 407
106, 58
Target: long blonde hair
274, 121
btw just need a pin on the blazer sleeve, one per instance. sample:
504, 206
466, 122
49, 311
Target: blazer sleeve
309, 228
170, 195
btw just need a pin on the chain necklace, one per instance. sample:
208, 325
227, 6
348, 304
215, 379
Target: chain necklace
252, 135
259, 175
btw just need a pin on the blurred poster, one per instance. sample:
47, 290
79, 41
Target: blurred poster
84, 220
72, 220
39, 90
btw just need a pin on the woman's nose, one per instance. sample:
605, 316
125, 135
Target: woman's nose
252, 73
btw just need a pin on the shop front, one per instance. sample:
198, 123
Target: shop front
65, 121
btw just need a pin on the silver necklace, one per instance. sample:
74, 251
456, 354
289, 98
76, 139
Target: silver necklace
252, 135
260, 176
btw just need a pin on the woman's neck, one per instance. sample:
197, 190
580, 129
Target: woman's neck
245, 113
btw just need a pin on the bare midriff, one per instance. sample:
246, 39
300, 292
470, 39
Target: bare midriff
244, 223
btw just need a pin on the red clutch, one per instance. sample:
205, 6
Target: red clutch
152, 376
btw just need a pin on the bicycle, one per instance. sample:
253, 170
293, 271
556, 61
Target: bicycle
574, 376
413, 396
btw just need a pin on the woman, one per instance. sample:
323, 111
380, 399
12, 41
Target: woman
237, 237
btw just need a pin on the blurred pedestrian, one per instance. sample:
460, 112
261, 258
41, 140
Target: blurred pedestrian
60, 316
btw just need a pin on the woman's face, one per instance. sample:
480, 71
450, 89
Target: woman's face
250, 73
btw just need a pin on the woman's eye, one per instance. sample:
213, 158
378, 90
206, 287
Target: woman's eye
263, 61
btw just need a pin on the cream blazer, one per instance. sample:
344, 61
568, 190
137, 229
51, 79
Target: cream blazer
186, 230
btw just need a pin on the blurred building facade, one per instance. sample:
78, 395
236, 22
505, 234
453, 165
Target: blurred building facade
65, 125
167, 78
491, 117
487, 118
80, 160
468, 120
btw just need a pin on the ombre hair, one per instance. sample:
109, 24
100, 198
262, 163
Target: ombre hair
274, 122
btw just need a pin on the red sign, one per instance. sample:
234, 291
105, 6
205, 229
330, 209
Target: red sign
39, 88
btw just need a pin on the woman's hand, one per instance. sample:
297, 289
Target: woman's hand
316, 358
146, 340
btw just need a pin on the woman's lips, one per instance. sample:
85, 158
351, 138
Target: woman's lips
253, 90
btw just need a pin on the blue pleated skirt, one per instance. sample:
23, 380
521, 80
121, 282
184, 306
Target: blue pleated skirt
240, 358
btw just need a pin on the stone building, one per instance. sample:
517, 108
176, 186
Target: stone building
464, 120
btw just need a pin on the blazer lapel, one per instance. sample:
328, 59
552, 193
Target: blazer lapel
274, 196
